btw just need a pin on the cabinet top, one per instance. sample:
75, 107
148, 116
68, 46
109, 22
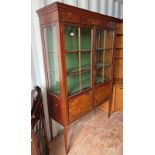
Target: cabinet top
61, 7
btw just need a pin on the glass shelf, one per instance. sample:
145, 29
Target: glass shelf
101, 65
75, 71
104, 49
72, 51
85, 50
85, 67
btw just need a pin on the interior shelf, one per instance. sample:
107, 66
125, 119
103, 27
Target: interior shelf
71, 51
85, 50
75, 71
101, 49
100, 65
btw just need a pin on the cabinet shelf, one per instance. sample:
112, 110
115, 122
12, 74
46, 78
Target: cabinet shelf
82, 50
85, 50
75, 71
71, 51
106, 49
100, 65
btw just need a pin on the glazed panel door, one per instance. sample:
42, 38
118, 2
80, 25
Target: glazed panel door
78, 58
103, 55
103, 65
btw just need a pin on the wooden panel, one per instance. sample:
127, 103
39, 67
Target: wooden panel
54, 107
101, 93
76, 18
119, 29
118, 68
118, 97
119, 42
118, 53
49, 18
79, 105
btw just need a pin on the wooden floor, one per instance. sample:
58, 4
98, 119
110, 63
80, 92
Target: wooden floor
94, 134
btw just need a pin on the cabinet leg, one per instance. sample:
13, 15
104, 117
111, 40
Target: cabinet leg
65, 139
51, 129
109, 110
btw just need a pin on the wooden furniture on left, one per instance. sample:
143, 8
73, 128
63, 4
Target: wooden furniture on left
38, 135
78, 48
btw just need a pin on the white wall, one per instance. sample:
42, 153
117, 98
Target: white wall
108, 7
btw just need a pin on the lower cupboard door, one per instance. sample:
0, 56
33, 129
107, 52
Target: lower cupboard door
102, 93
79, 105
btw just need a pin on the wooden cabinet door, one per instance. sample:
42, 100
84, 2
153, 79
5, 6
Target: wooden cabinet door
101, 93
79, 105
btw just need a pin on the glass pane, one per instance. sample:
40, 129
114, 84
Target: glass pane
100, 33
103, 55
71, 38
72, 84
107, 73
52, 59
72, 62
55, 83
85, 38
108, 57
85, 79
103, 74
99, 58
85, 60
109, 39
99, 75
50, 38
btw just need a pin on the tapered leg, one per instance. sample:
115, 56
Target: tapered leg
65, 139
109, 110
51, 128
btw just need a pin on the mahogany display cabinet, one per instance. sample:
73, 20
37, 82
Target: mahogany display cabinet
78, 48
